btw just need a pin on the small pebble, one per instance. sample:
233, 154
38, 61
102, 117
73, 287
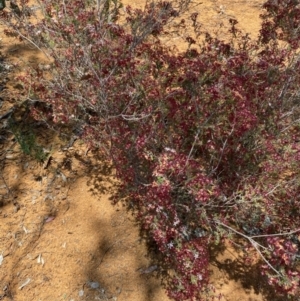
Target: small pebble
81, 293
93, 284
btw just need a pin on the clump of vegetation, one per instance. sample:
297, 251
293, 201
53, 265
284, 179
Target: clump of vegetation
205, 142
26, 138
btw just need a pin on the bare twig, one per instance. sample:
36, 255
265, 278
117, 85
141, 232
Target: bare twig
7, 114
255, 244
276, 234
7, 187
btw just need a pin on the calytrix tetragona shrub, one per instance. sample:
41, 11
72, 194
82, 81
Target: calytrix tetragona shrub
204, 142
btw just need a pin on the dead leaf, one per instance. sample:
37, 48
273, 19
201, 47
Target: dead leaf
49, 219
149, 269
40, 259
27, 281
25, 230
47, 162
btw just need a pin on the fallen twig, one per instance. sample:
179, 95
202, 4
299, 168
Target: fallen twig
7, 114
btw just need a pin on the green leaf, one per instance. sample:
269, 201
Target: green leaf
160, 179
194, 279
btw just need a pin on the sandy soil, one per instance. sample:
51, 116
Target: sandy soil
60, 236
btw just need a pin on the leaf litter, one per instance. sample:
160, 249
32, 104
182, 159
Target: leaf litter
26, 282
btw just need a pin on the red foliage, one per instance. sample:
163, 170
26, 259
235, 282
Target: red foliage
204, 142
